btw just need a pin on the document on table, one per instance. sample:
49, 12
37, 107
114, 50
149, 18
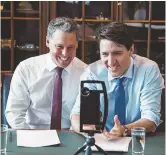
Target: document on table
120, 144
37, 138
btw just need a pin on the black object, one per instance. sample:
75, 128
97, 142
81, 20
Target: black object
90, 113
90, 141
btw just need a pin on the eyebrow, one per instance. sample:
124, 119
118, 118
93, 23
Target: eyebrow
63, 45
117, 51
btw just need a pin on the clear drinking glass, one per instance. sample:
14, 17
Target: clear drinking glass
138, 140
4, 132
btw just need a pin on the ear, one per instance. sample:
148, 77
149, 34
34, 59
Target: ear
131, 49
76, 45
47, 42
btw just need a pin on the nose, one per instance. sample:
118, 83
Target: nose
111, 60
64, 52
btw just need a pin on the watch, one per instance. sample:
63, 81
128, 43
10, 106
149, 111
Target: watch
126, 131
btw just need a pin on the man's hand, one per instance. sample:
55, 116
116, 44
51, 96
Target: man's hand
117, 130
89, 127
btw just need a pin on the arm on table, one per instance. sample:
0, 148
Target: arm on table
150, 97
75, 122
118, 129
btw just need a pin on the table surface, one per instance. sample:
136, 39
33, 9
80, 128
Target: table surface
71, 141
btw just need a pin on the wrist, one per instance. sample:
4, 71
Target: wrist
125, 131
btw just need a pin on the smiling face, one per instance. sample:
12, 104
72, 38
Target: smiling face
62, 46
116, 58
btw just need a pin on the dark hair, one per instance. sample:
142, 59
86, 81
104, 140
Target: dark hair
117, 32
64, 24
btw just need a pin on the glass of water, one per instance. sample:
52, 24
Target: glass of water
4, 131
138, 140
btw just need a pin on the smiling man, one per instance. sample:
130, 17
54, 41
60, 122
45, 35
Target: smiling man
44, 88
134, 83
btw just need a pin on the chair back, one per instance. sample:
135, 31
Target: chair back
6, 80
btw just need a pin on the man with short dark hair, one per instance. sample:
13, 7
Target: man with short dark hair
134, 83
44, 88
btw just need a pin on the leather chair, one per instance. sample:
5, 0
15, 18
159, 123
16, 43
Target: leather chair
6, 79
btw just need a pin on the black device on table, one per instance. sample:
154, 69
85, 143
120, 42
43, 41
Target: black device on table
90, 112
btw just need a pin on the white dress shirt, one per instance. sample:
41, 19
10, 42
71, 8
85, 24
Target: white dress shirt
29, 103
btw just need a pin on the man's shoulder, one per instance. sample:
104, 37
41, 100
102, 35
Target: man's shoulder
97, 65
140, 61
78, 63
33, 64
36, 60
145, 67
97, 69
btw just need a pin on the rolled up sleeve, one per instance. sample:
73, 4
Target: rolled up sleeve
151, 95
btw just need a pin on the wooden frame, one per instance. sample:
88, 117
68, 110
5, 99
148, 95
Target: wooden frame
47, 11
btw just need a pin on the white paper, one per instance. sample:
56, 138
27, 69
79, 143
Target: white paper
120, 144
37, 138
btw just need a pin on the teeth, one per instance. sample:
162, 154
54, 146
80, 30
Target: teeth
64, 59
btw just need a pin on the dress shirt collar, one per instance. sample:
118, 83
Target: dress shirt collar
51, 64
127, 74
